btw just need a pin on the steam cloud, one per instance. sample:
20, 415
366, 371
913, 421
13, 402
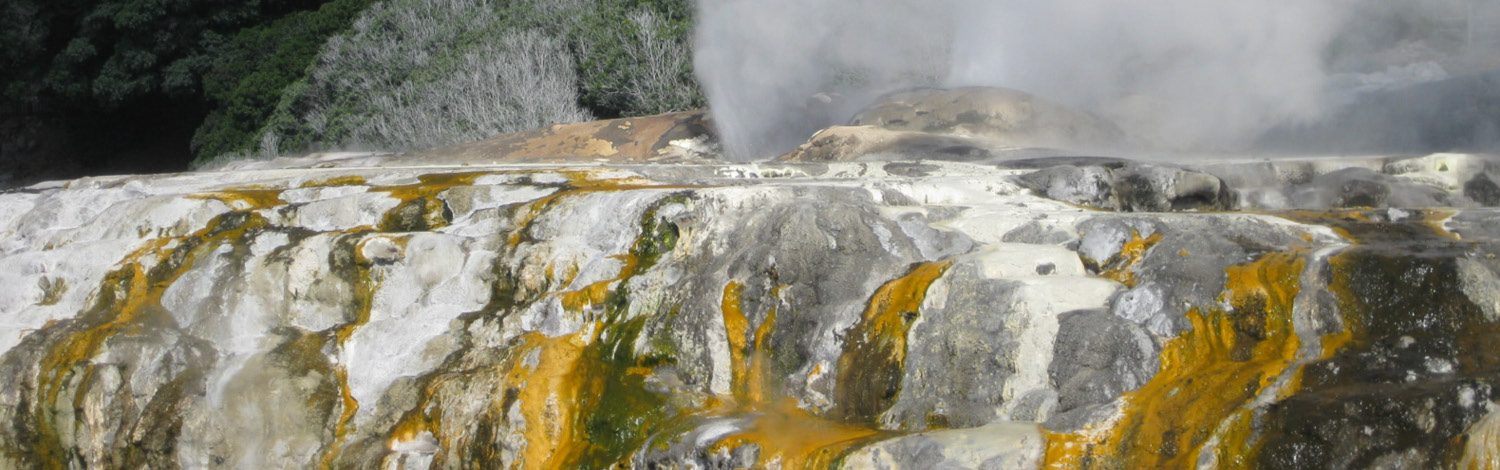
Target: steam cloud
1175, 74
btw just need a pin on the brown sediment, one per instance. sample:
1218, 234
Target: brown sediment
1361, 227
736, 328
549, 394
547, 379
347, 180
598, 292
870, 368
1333, 342
52, 290
797, 438
364, 283
785, 434
583, 397
760, 387
249, 198
747, 356
1400, 296
1365, 226
126, 296
1436, 219
580, 182
419, 208
625, 140
1121, 266
348, 407
1208, 375
1481, 448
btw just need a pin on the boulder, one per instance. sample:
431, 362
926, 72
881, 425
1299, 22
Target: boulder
1133, 187
1360, 187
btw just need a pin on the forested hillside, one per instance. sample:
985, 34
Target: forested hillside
98, 86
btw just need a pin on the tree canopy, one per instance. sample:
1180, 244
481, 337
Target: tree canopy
209, 78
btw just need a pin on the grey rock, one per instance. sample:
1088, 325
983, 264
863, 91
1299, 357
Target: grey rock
1359, 187
1483, 189
969, 342
1089, 186
1099, 357
1151, 188
1132, 187
998, 446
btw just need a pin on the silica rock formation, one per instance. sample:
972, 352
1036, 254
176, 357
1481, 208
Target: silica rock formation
374, 312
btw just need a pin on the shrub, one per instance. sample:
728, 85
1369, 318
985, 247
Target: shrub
416, 73
636, 59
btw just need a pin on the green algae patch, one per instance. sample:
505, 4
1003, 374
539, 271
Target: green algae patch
584, 398
1412, 341
128, 302
420, 208
625, 412
301, 354
657, 237
417, 215
870, 368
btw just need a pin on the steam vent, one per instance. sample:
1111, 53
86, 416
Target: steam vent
915, 290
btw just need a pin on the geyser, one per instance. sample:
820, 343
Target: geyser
1178, 75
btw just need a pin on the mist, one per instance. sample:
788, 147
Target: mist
1176, 75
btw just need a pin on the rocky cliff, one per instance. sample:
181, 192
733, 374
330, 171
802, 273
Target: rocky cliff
990, 313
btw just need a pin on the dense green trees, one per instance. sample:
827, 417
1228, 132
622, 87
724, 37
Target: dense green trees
254, 67
119, 85
107, 54
243, 77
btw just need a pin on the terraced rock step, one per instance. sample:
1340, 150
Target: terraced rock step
1058, 313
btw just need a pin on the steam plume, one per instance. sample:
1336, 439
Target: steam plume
1176, 74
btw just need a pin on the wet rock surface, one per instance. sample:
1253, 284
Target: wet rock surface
1070, 313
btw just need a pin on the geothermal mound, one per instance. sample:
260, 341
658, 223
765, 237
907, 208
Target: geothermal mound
925, 290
